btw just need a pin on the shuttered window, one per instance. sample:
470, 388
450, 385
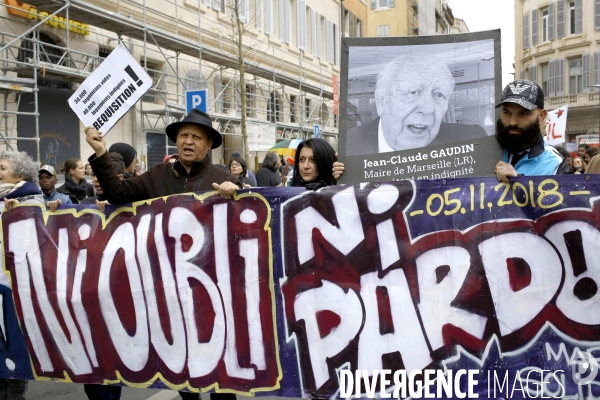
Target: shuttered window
597, 14
551, 21
313, 32
533, 73
258, 18
243, 10
319, 35
597, 68
560, 18
526, 31
551, 79
560, 76
534, 27
282, 19
578, 17
268, 17
586, 71
287, 21
301, 22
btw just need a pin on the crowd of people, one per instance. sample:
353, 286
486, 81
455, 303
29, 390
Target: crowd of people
115, 179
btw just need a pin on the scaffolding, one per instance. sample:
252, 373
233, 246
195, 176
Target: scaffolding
182, 47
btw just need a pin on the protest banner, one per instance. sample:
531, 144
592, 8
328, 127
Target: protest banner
110, 91
420, 107
556, 126
488, 288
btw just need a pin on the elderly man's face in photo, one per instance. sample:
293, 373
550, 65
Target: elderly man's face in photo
412, 102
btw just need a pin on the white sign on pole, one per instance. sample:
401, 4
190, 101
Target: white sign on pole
110, 91
556, 126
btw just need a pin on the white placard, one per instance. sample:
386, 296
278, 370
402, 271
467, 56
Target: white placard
556, 126
110, 91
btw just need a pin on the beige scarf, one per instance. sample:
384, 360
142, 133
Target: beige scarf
6, 188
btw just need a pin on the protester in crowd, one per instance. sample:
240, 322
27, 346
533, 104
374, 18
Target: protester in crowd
170, 158
17, 183
313, 164
581, 150
518, 132
412, 97
237, 166
594, 166
129, 157
250, 173
268, 175
590, 152
47, 179
290, 171
194, 137
578, 165
88, 169
99, 200
75, 186
566, 155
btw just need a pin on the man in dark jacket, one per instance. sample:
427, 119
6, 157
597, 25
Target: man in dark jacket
193, 172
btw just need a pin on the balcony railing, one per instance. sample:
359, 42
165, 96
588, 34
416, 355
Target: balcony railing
579, 99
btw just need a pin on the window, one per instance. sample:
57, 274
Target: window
152, 70
382, 4
545, 25
273, 108
249, 101
292, 108
546, 78
575, 75
383, 30
307, 109
358, 28
572, 17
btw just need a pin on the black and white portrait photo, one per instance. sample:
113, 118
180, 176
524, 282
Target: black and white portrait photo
418, 96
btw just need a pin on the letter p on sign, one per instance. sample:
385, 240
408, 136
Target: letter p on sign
196, 99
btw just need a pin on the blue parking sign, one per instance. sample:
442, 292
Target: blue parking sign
317, 131
196, 99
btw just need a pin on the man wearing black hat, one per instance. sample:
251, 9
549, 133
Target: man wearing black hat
194, 137
129, 157
518, 130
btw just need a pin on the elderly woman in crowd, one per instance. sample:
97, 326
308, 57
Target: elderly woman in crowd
237, 166
313, 164
17, 186
76, 187
269, 174
17, 180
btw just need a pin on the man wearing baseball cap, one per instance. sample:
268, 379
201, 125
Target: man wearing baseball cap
47, 179
519, 132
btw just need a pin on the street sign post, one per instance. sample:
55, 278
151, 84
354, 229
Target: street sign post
196, 99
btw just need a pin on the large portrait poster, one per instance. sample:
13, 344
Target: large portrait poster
419, 107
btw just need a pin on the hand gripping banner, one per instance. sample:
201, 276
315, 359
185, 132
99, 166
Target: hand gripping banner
449, 288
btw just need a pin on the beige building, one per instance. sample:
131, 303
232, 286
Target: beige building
558, 46
291, 49
411, 18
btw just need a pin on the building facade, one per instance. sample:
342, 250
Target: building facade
411, 18
558, 46
290, 49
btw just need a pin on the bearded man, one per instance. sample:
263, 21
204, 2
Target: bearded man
518, 130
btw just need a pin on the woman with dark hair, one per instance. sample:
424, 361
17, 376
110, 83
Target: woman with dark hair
237, 166
76, 187
268, 175
313, 163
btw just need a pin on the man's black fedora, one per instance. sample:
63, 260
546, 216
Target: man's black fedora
196, 117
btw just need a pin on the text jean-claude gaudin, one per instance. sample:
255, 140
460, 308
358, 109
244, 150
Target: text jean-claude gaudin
460, 383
